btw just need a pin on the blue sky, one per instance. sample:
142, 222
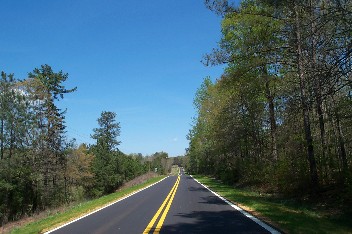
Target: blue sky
140, 59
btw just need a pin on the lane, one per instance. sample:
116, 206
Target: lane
131, 215
175, 205
196, 210
162, 211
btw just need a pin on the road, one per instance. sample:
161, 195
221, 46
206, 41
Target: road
178, 204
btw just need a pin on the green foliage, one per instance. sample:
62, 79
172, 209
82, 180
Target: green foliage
39, 168
110, 166
288, 215
105, 165
51, 82
32, 143
159, 162
131, 166
78, 175
78, 210
107, 133
278, 118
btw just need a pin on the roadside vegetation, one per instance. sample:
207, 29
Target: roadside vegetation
80, 209
40, 168
288, 215
278, 120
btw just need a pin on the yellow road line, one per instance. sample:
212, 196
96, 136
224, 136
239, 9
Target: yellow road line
155, 217
162, 219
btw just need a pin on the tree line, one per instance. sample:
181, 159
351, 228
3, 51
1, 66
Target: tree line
40, 167
279, 117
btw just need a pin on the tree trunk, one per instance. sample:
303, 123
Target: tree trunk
272, 118
2, 140
11, 140
342, 146
342, 151
321, 126
305, 109
317, 84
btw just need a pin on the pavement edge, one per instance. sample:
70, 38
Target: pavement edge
245, 213
110, 204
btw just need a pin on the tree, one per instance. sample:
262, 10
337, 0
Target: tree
159, 161
44, 87
78, 175
32, 142
14, 170
285, 91
105, 168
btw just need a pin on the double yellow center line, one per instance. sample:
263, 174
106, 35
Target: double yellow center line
167, 202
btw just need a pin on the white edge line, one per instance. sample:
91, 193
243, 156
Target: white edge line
110, 204
245, 213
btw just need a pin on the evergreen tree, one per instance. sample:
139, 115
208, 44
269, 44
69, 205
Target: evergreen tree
105, 164
45, 87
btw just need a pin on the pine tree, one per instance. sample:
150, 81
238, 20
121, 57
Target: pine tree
105, 164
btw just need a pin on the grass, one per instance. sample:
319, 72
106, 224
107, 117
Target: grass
79, 210
289, 216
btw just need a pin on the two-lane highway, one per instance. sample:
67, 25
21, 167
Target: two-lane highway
178, 204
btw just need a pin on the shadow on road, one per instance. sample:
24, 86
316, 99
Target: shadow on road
198, 189
212, 200
212, 222
187, 177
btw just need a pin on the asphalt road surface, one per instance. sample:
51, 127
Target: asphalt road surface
178, 204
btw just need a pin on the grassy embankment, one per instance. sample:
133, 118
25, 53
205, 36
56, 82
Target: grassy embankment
288, 215
79, 210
